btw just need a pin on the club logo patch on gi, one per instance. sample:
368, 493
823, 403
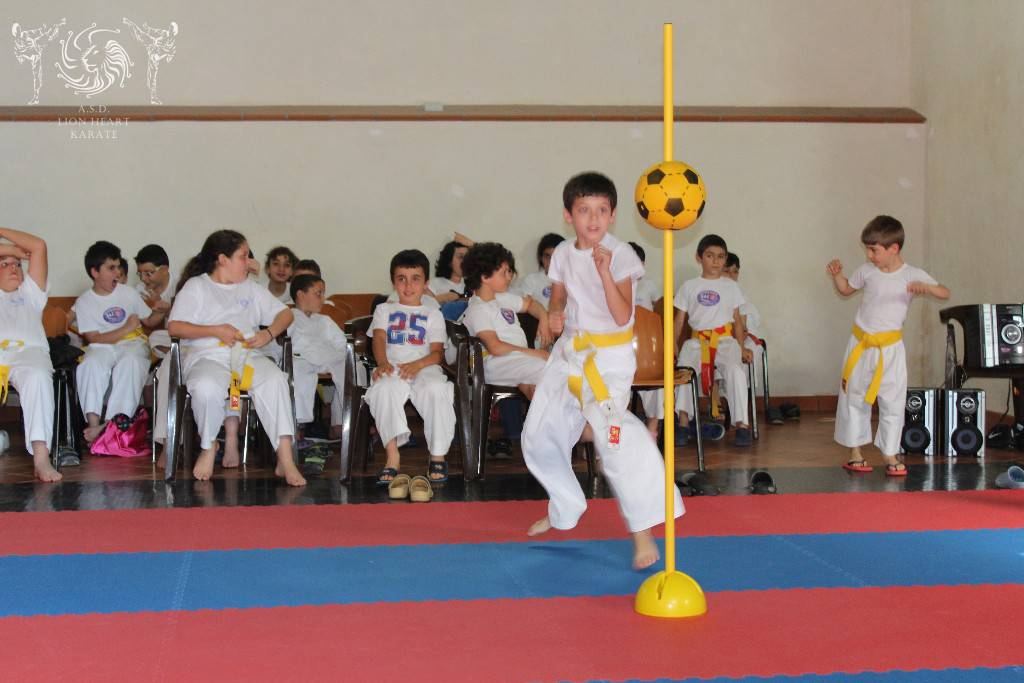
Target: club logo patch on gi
509, 315
546, 292
243, 303
708, 297
114, 314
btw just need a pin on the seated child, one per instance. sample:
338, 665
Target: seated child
318, 345
122, 271
157, 287
712, 304
24, 351
306, 266
589, 378
875, 365
491, 316
538, 285
110, 319
447, 283
280, 265
218, 314
653, 400
408, 343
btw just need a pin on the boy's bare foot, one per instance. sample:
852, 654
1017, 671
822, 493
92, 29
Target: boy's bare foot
45, 471
645, 550
231, 456
287, 470
539, 527
203, 469
92, 433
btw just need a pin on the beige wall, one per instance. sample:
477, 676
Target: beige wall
741, 52
968, 68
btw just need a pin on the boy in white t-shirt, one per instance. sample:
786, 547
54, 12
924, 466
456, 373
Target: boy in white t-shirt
24, 351
875, 364
537, 285
491, 316
280, 265
712, 305
408, 344
110, 319
157, 287
589, 376
318, 345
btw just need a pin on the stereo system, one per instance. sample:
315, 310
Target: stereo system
993, 334
944, 421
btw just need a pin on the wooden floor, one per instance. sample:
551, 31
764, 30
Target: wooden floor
800, 455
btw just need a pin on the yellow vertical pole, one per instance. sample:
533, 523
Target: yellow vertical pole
669, 332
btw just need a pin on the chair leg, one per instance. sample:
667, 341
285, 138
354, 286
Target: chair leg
697, 424
764, 378
156, 398
246, 418
345, 447
58, 417
752, 400
188, 434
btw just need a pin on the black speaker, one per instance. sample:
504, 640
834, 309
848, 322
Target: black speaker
921, 421
964, 422
993, 334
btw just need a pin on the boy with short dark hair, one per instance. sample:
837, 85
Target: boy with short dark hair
408, 344
589, 378
712, 304
110, 318
306, 266
157, 284
875, 365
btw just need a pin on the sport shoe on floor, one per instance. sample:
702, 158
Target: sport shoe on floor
712, 431
1012, 478
743, 437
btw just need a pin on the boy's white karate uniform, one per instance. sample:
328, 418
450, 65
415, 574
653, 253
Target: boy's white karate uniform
752, 318
27, 355
499, 316
410, 331
318, 345
710, 304
123, 367
556, 419
159, 340
882, 309
207, 364
537, 286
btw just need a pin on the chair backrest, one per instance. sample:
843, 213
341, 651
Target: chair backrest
358, 304
648, 344
55, 321
340, 313
356, 329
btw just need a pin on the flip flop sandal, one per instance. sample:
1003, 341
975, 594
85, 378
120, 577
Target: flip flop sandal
895, 471
314, 464
858, 466
699, 484
386, 472
1013, 478
435, 467
762, 483
398, 488
420, 490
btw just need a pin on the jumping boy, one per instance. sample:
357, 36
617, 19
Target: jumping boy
408, 343
875, 365
589, 376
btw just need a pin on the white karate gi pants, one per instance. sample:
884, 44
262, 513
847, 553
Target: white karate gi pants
431, 394
853, 414
122, 368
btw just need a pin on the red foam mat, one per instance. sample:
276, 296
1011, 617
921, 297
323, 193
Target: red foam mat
30, 533
743, 634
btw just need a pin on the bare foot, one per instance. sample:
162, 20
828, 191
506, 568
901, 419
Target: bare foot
45, 471
288, 470
231, 456
645, 550
92, 433
204, 463
539, 527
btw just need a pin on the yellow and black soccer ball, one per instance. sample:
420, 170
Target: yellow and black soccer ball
670, 195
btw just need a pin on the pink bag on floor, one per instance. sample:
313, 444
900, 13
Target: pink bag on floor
124, 436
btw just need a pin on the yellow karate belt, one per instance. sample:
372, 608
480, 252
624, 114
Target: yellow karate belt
593, 341
708, 350
5, 370
877, 340
137, 333
240, 381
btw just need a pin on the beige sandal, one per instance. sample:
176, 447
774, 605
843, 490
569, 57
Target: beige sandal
398, 488
420, 490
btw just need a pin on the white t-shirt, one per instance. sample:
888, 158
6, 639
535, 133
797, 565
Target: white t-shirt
316, 338
246, 305
709, 303
587, 308
425, 300
498, 316
537, 286
442, 285
646, 293
21, 314
166, 295
96, 313
753, 318
886, 299
410, 330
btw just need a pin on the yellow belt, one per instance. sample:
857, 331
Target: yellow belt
708, 350
585, 340
876, 340
5, 370
134, 334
